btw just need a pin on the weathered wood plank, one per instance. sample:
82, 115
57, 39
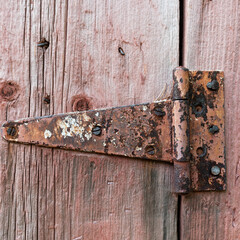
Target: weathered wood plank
55, 194
212, 42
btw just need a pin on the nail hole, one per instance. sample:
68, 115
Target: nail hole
199, 108
9, 90
199, 151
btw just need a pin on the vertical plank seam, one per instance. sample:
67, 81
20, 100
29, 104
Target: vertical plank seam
181, 63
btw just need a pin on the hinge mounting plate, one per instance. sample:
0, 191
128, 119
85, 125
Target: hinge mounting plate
187, 130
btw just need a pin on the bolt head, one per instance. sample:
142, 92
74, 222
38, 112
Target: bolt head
97, 130
213, 85
213, 129
158, 111
46, 99
150, 150
215, 170
12, 131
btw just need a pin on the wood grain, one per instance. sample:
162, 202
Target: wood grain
56, 194
212, 36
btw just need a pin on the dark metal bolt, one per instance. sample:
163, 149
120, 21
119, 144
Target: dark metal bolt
43, 43
120, 50
213, 85
213, 129
12, 131
46, 99
97, 130
215, 170
150, 150
158, 111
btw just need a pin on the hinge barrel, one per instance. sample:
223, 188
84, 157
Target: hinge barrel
180, 122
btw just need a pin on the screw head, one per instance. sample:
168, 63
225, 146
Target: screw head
97, 130
158, 111
215, 170
12, 131
46, 99
213, 85
120, 50
150, 150
213, 129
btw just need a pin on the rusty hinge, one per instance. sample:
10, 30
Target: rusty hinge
187, 130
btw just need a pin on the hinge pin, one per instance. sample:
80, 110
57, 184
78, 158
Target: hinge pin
181, 147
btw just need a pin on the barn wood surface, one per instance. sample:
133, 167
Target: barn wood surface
99, 55
211, 41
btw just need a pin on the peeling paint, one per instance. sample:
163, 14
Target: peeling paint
138, 149
47, 134
71, 127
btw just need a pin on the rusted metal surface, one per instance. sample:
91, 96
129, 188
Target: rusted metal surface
187, 131
207, 140
141, 131
180, 129
180, 83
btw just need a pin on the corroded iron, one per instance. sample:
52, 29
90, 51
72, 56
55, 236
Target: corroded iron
126, 131
207, 142
180, 124
187, 131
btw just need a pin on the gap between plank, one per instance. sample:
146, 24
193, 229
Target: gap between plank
181, 63
181, 31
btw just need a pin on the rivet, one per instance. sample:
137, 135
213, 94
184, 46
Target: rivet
97, 130
213, 85
213, 129
46, 99
12, 131
215, 170
120, 50
150, 150
158, 111
43, 43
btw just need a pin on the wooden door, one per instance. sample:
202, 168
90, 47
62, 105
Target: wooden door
104, 54
57, 194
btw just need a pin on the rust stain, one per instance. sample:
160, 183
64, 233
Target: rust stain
81, 103
9, 90
181, 150
207, 144
130, 131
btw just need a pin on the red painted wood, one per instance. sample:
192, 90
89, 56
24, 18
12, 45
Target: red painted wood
56, 194
212, 42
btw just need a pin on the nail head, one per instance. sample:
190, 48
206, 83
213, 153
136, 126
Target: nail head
215, 170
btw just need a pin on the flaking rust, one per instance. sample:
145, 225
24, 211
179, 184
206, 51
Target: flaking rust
127, 131
207, 138
180, 124
187, 131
